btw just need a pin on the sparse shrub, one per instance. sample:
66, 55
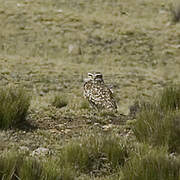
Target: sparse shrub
18, 166
60, 101
174, 140
153, 164
116, 151
95, 154
8, 166
175, 11
51, 169
170, 98
152, 127
30, 169
14, 104
159, 123
12, 164
57, 173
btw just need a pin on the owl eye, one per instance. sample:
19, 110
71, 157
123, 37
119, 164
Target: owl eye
90, 75
99, 76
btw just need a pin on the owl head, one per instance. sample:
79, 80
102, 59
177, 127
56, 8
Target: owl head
95, 77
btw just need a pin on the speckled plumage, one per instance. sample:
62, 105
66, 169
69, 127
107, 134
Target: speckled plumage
98, 94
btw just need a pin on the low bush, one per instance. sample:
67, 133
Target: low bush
153, 164
60, 101
153, 127
175, 12
95, 154
8, 166
30, 169
18, 166
169, 99
14, 104
158, 123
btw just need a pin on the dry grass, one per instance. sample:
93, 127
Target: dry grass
14, 104
60, 101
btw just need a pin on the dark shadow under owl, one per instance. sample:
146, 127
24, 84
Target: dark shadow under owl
98, 93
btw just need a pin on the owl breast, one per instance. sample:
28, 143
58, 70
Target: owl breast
99, 96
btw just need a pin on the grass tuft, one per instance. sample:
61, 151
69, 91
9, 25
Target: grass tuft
95, 154
14, 104
17, 166
154, 164
175, 11
31, 169
8, 166
159, 123
170, 98
60, 101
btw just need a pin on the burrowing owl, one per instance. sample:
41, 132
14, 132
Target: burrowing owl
98, 94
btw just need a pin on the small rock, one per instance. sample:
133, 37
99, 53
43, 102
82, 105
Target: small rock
19, 5
24, 148
107, 127
40, 151
89, 121
53, 130
59, 10
45, 90
66, 131
168, 23
96, 124
60, 126
59, 88
70, 48
41, 93
74, 49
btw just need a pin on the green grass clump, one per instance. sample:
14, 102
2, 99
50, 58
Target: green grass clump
18, 166
158, 123
8, 166
153, 127
14, 104
60, 101
175, 12
30, 169
154, 164
170, 98
96, 154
